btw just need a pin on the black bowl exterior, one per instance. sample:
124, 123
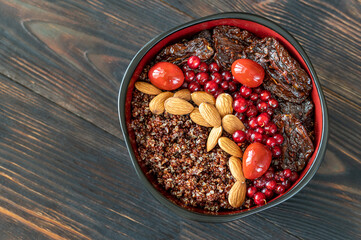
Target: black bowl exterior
223, 218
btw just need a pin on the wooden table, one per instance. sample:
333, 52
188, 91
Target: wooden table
64, 169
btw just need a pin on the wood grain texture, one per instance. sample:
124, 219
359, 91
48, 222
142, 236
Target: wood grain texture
64, 169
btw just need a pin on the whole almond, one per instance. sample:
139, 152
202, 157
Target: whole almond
237, 194
230, 147
198, 119
202, 97
224, 104
178, 106
184, 94
156, 106
231, 123
213, 137
235, 166
147, 88
210, 114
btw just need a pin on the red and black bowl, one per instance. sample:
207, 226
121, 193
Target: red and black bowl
261, 27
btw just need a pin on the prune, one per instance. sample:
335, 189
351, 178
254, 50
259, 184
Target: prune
178, 53
297, 146
205, 34
229, 43
287, 80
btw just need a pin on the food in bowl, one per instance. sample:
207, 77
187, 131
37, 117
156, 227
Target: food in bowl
223, 120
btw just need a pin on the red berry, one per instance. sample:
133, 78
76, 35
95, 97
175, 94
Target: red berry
211, 87
262, 106
259, 129
189, 76
218, 92
259, 183
194, 62
279, 176
213, 67
269, 112
286, 183
227, 75
270, 129
194, 86
241, 116
271, 184
265, 95
273, 103
259, 198
269, 174
276, 151
240, 105
252, 123
184, 85
239, 136
263, 119
271, 142
252, 111
287, 173
232, 86
216, 77
236, 95
253, 97
224, 85
203, 67
257, 90
185, 68
279, 189
251, 191
257, 137
245, 91
268, 193
293, 177
202, 78
278, 138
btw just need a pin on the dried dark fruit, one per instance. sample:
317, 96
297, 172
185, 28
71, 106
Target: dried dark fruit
297, 146
229, 43
178, 53
287, 80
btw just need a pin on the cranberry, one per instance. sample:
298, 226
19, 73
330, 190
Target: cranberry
259, 198
278, 138
271, 142
249, 133
273, 103
194, 62
265, 95
202, 78
257, 137
184, 85
232, 86
269, 174
253, 97
293, 177
240, 116
252, 111
286, 183
270, 129
257, 90
189, 76
269, 112
245, 91
240, 105
224, 85
287, 173
185, 68
276, 151
259, 183
227, 75
213, 67
203, 67
271, 184
263, 119
236, 95
251, 191
279, 176
218, 92
252, 123
211, 87
262, 106
239, 136
194, 86
280, 189
268, 193
216, 77
259, 130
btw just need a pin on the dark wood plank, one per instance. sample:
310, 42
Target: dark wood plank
75, 53
62, 177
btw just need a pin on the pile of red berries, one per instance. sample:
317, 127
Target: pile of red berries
200, 76
264, 188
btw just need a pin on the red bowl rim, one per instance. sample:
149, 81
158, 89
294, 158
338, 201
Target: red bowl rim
126, 87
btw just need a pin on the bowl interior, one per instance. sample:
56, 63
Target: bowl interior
257, 29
